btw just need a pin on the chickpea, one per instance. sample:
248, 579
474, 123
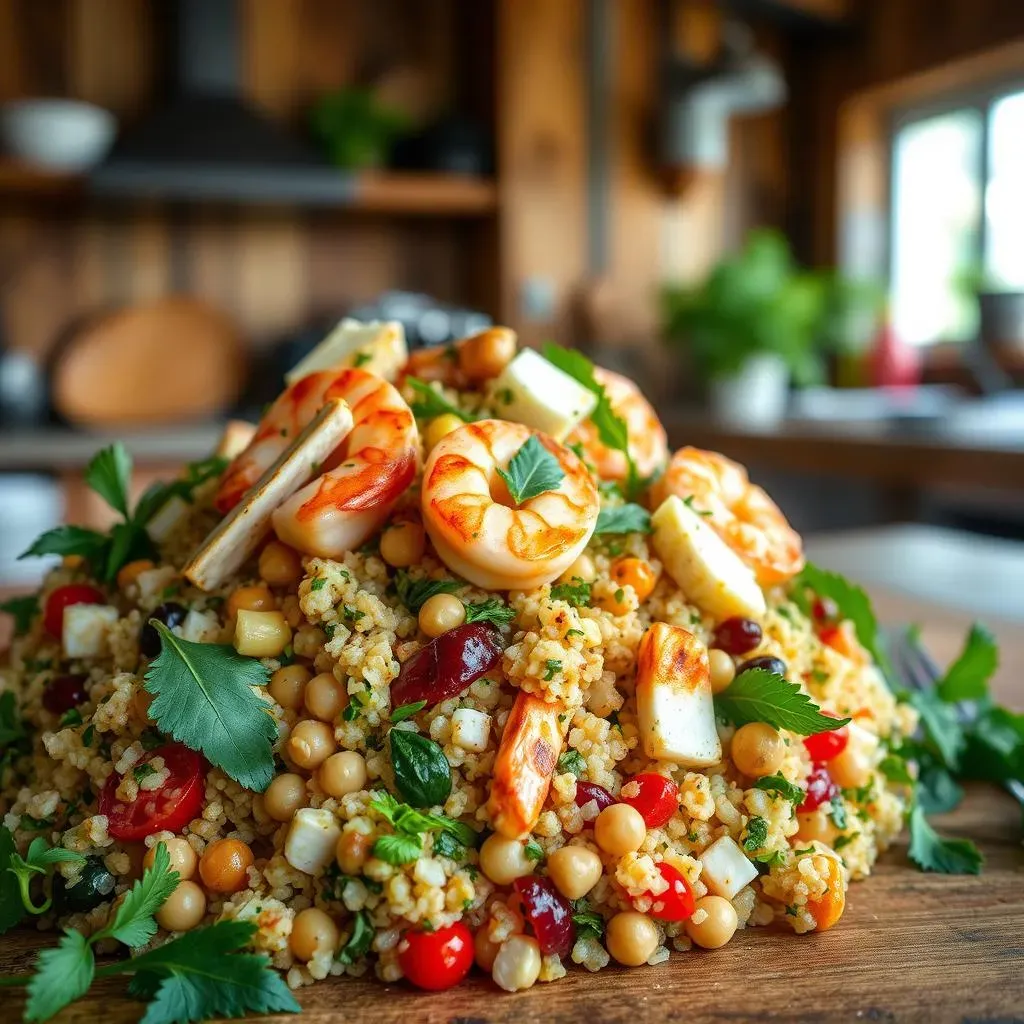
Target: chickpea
256, 598
441, 613
291, 611
631, 938
504, 860
312, 930
723, 670
815, 825
325, 697
352, 851
485, 948
183, 909
583, 568
182, 857
311, 743
440, 427
620, 829
517, 964
129, 574
484, 355
758, 749
851, 768
575, 870
280, 565
224, 865
637, 573
717, 925
284, 796
288, 685
402, 544
261, 634
342, 773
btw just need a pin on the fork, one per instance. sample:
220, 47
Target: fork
917, 671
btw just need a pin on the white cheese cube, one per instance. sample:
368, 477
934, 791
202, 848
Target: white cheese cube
864, 742
171, 514
533, 391
376, 346
86, 629
311, 841
201, 627
726, 868
153, 582
471, 729
709, 572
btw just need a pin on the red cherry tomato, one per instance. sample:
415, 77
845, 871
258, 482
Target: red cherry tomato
169, 808
824, 746
64, 597
436, 960
653, 795
820, 789
677, 902
832, 636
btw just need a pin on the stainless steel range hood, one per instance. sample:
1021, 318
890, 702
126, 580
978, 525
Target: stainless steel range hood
208, 143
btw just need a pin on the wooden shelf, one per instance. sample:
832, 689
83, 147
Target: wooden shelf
381, 192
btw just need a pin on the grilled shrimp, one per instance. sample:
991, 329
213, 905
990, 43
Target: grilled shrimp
477, 530
468, 362
526, 760
364, 476
648, 443
740, 512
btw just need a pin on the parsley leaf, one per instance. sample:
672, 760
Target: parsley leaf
412, 822
940, 725
757, 834
894, 768
204, 699
757, 695
359, 941
23, 610
415, 593
967, 678
623, 519
133, 922
576, 592
492, 610
930, 852
553, 666
431, 403
531, 471
407, 711
571, 761
533, 850
109, 475
937, 791
781, 787
63, 974
589, 923
398, 848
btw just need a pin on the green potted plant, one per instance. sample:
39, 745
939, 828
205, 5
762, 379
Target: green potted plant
751, 327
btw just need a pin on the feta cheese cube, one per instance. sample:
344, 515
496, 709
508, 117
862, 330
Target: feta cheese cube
471, 729
87, 628
533, 391
725, 868
311, 840
167, 518
376, 346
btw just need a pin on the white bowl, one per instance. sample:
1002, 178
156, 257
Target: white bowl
65, 135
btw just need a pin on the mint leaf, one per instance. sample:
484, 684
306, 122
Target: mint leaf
63, 974
930, 852
109, 475
430, 403
761, 696
23, 610
204, 699
531, 471
781, 787
623, 519
492, 610
967, 678
133, 922
414, 594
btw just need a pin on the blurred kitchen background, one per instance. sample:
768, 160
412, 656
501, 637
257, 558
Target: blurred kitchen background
799, 224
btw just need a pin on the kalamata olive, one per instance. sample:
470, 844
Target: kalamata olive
170, 614
95, 885
766, 662
446, 666
548, 912
737, 635
63, 693
587, 791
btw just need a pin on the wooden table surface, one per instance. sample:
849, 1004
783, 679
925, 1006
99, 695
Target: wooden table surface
910, 946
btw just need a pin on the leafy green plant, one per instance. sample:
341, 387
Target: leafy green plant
355, 129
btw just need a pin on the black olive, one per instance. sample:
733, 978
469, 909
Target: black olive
766, 662
170, 614
95, 885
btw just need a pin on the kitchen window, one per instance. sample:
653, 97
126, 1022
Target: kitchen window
957, 213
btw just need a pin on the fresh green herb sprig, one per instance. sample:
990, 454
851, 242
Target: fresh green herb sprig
531, 471
493, 610
758, 695
628, 518
23, 610
575, 592
589, 923
430, 403
17, 873
414, 594
780, 786
409, 823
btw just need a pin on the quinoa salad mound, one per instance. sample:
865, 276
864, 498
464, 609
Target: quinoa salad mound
447, 664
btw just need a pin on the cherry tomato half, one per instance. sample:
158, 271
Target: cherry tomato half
436, 960
677, 902
64, 597
824, 746
820, 789
169, 808
654, 796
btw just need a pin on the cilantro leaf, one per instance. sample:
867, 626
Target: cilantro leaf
400, 714
204, 699
412, 822
109, 475
967, 678
11, 908
12, 728
63, 974
431, 403
930, 852
398, 848
757, 834
757, 695
415, 593
446, 845
359, 941
576, 592
531, 471
628, 518
69, 540
133, 922
781, 787
23, 610
492, 610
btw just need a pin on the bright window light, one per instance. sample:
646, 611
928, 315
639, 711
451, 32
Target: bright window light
1004, 195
